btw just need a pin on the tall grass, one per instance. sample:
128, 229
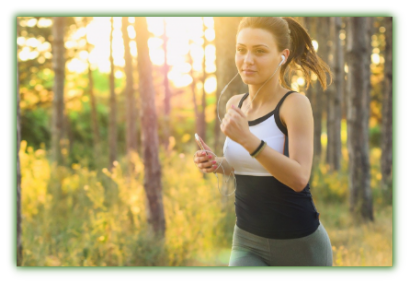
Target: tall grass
77, 217
73, 216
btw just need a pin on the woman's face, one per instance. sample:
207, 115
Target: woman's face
257, 56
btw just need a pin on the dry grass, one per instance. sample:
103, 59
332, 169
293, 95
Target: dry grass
368, 244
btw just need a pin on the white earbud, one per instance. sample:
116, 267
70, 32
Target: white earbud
282, 61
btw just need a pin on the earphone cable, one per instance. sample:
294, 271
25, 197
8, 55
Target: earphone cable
227, 142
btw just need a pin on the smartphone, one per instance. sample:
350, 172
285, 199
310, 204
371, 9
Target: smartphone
200, 143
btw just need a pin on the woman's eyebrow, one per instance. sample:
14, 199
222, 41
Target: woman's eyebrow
257, 45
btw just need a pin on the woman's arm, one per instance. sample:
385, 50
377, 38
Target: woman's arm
226, 166
293, 171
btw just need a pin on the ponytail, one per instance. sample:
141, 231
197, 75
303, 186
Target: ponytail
303, 56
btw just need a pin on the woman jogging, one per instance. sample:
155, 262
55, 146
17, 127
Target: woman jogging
269, 149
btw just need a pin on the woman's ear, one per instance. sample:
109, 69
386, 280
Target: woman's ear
282, 59
286, 54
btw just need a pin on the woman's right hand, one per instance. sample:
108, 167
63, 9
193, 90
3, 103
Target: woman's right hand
205, 160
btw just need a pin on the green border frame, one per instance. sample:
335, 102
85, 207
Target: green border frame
190, 8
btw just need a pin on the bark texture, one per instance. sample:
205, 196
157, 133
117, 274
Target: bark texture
112, 105
357, 119
334, 114
387, 107
131, 138
94, 113
58, 51
152, 171
167, 98
19, 243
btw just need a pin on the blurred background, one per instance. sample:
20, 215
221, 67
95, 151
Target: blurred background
107, 108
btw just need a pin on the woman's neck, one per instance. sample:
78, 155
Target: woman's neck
269, 92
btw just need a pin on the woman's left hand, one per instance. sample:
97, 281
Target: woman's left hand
235, 125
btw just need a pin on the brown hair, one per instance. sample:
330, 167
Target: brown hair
291, 35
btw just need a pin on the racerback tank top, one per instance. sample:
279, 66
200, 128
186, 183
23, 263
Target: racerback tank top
265, 206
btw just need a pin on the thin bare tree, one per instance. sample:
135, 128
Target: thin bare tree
150, 140
357, 118
131, 140
320, 101
94, 114
193, 90
166, 101
58, 51
334, 97
386, 144
112, 104
369, 32
199, 122
19, 243
202, 117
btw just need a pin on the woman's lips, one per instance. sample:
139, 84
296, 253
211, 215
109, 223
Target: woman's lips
249, 72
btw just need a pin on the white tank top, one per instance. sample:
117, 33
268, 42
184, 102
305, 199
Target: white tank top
267, 128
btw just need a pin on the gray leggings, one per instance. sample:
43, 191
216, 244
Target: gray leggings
252, 250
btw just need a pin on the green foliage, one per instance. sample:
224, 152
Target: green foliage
80, 217
101, 82
210, 99
330, 186
333, 187
35, 127
183, 129
375, 136
29, 68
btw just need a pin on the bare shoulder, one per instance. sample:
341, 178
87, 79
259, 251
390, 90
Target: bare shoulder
235, 99
294, 103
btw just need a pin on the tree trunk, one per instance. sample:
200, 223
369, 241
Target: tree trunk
323, 36
202, 119
112, 105
357, 119
320, 95
225, 41
339, 92
152, 177
370, 31
344, 21
193, 90
368, 59
94, 115
58, 50
198, 115
334, 98
19, 243
386, 158
166, 101
330, 97
129, 99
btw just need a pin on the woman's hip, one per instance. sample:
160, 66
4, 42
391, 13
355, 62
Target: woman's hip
313, 249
